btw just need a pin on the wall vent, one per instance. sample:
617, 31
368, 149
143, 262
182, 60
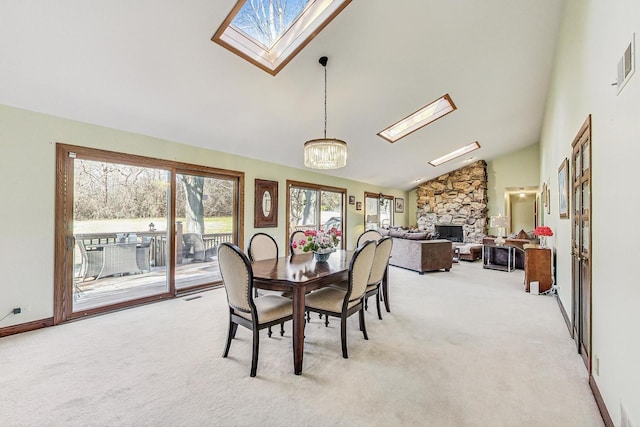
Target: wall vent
626, 64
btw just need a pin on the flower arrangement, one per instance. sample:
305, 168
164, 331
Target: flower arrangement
543, 231
319, 241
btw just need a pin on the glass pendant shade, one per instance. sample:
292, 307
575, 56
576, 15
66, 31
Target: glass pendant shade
325, 153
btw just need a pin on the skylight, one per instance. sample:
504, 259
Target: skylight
269, 33
427, 114
455, 154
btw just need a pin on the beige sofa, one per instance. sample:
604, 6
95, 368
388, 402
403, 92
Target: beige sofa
421, 255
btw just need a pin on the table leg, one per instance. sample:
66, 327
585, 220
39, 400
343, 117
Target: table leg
298, 328
385, 289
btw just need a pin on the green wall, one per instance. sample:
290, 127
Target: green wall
27, 172
517, 169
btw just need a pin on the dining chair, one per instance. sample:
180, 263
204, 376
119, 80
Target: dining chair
262, 246
368, 235
342, 303
252, 313
378, 270
296, 236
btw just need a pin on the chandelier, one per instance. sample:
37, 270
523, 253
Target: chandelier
325, 153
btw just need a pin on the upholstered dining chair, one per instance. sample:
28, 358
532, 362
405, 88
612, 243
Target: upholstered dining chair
342, 303
368, 235
262, 246
296, 236
252, 313
378, 270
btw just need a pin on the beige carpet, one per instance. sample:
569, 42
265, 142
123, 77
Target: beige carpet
463, 348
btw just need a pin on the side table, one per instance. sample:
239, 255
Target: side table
489, 256
537, 268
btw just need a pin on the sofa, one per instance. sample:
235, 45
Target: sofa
414, 251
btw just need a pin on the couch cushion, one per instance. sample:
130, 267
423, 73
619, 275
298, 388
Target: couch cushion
416, 236
396, 233
383, 232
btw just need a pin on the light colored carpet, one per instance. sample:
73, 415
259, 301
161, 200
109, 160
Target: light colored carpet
463, 348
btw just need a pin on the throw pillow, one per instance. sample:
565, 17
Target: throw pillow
522, 235
383, 231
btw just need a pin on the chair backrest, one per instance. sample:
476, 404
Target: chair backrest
360, 269
368, 235
262, 246
193, 244
237, 276
381, 260
296, 236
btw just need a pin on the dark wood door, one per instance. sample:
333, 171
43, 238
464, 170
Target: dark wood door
581, 241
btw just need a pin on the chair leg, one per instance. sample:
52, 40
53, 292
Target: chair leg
363, 326
269, 332
254, 357
326, 321
378, 305
343, 336
232, 333
282, 329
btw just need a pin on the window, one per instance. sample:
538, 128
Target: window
427, 114
269, 33
378, 211
315, 207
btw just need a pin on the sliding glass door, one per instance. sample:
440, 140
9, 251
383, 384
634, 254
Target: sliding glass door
132, 229
204, 219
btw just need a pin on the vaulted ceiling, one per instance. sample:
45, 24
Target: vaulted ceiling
150, 67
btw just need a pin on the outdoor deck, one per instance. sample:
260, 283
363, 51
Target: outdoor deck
91, 293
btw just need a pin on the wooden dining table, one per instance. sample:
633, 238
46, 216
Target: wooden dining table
300, 274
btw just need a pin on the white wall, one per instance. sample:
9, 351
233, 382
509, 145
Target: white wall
593, 37
27, 174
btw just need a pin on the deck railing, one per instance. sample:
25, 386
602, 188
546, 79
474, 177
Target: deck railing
157, 241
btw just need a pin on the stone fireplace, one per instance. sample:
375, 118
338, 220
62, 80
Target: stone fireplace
456, 198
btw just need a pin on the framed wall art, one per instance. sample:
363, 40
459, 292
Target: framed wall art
266, 204
563, 189
358, 206
352, 200
399, 205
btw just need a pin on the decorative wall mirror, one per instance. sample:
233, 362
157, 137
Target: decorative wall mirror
266, 204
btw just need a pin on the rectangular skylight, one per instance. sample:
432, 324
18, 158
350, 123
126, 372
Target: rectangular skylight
269, 36
455, 154
427, 114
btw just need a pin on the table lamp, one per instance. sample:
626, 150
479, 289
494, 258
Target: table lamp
500, 222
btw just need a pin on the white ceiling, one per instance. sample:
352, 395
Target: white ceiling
149, 66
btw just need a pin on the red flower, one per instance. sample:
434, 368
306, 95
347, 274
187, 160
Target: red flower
543, 230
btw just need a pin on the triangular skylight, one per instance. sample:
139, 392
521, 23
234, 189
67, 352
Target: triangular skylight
269, 33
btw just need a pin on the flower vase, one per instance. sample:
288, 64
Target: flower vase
543, 241
321, 256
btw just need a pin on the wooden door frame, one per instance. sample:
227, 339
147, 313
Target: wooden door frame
583, 136
64, 245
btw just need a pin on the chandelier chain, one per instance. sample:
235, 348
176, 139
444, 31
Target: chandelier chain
325, 101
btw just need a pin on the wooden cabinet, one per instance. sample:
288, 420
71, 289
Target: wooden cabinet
537, 268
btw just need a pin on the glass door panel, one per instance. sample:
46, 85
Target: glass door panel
204, 219
303, 204
331, 204
119, 227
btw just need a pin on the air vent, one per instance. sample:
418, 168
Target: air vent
626, 65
